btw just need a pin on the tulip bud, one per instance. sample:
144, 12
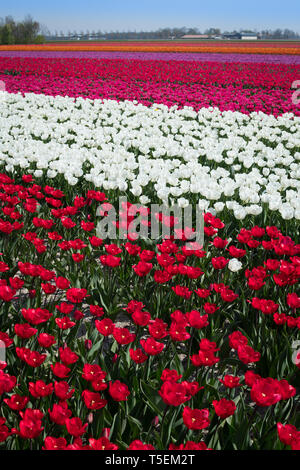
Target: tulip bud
78, 315
115, 358
155, 421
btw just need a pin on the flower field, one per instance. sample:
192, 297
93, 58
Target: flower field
161, 46
235, 86
140, 343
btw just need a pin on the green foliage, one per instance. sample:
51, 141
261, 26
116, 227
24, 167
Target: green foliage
23, 32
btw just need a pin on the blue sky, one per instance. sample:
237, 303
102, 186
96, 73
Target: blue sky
152, 14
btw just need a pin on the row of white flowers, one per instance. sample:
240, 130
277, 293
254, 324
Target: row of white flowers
224, 160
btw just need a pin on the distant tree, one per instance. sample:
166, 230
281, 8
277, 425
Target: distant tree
288, 34
7, 36
30, 29
277, 34
22, 32
212, 32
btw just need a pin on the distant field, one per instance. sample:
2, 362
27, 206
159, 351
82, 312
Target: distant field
240, 47
198, 41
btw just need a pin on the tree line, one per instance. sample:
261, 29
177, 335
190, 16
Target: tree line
27, 31
168, 33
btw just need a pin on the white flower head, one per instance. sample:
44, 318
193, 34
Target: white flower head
234, 265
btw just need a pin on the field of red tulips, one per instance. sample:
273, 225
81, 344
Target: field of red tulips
142, 344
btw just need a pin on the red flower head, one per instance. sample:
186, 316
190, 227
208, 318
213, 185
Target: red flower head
39, 389
137, 355
67, 356
32, 358
62, 282
230, 381
210, 308
171, 375
75, 427
251, 377
204, 358
174, 393
60, 370
6, 293
95, 241
59, 413
64, 323
182, 291
24, 330
266, 392
93, 400
102, 444
196, 419
118, 391
196, 320
203, 293
237, 339
62, 391
105, 326
219, 262
247, 354
151, 346
139, 445
123, 335
287, 433
7, 382
92, 372
55, 443
110, 260
224, 408
141, 318
142, 268
96, 311
76, 295
31, 424
16, 402
45, 340
158, 328
293, 301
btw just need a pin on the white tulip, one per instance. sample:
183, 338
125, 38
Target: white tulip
158, 151
234, 265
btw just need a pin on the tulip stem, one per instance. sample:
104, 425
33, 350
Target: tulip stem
163, 419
